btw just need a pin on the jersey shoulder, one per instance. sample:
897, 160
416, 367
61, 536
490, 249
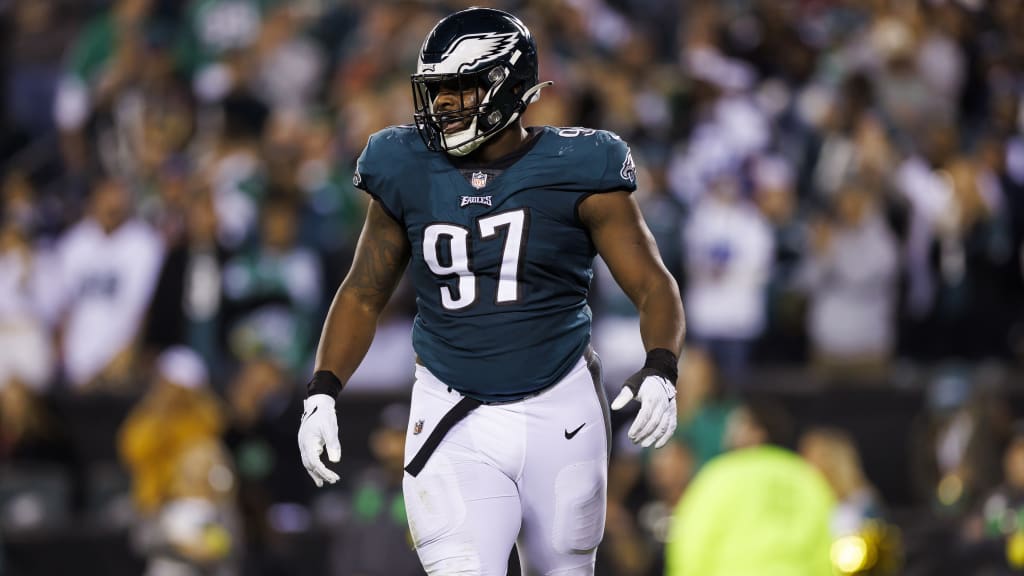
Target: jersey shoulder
599, 158
391, 161
386, 152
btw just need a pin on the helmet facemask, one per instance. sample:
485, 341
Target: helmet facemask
482, 120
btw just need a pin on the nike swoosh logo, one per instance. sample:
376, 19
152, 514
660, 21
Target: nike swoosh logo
306, 416
570, 435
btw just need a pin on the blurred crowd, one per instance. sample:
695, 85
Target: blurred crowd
837, 185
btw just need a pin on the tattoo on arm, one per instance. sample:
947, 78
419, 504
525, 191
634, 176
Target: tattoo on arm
380, 260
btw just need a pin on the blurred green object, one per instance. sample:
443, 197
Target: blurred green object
255, 459
759, 511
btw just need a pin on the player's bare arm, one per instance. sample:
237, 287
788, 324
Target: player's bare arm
623, 240
626, 245
380, 259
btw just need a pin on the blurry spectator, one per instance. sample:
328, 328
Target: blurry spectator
40, 217
253, 46
855, 146
152, 120
165, 199
851, 277
634, 544
728, 127
372, 537
26, 351
967, 266
1000, 153
300, 155
834, 454
757, 510
274, 291
188, 305
324, 180
774, 191
663, 213
291, 66
929, 199
1006, 242
282, 148
183, 481
263, 406
28, 431
729, 251
215, 44
955, 441
903, 94
232, 169
108, 266
940, 58
954, 265
37, 40
104, 59
148, 116
990, 531
704, 407
865, 543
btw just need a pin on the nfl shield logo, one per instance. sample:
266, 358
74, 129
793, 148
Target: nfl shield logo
417, 427
478, 180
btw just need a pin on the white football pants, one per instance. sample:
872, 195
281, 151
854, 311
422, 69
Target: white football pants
531, 473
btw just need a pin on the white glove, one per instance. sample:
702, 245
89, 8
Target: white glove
656, 421
319, 428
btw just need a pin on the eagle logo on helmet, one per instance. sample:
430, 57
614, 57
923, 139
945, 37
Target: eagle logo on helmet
478, 48
471, 50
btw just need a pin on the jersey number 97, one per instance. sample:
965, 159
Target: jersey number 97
511, 225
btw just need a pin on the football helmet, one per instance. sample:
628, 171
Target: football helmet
478, 48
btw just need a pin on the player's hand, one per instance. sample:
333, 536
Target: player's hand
656, 421
319, 428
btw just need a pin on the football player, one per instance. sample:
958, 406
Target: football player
498, 224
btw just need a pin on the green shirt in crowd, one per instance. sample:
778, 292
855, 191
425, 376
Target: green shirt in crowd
704, 430
759, 511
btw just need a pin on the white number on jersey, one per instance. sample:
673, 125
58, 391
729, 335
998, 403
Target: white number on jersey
457, 238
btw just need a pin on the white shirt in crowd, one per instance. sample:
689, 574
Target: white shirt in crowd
853, 292
26, 351
729, 248
107, 282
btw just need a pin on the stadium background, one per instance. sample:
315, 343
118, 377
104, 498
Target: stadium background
837, 185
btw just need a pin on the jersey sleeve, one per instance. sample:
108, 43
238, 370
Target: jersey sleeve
375, 175
619, 171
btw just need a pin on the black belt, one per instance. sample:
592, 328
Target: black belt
467, 405
449, 420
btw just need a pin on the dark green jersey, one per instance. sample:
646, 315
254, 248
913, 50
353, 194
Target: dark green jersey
501, 263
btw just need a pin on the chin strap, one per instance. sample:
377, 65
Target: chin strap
529, 97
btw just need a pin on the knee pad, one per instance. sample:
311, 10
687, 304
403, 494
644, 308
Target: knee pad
436, 513
433, 502
580, 507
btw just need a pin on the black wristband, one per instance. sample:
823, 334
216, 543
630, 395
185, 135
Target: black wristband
324, 382
664, 362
